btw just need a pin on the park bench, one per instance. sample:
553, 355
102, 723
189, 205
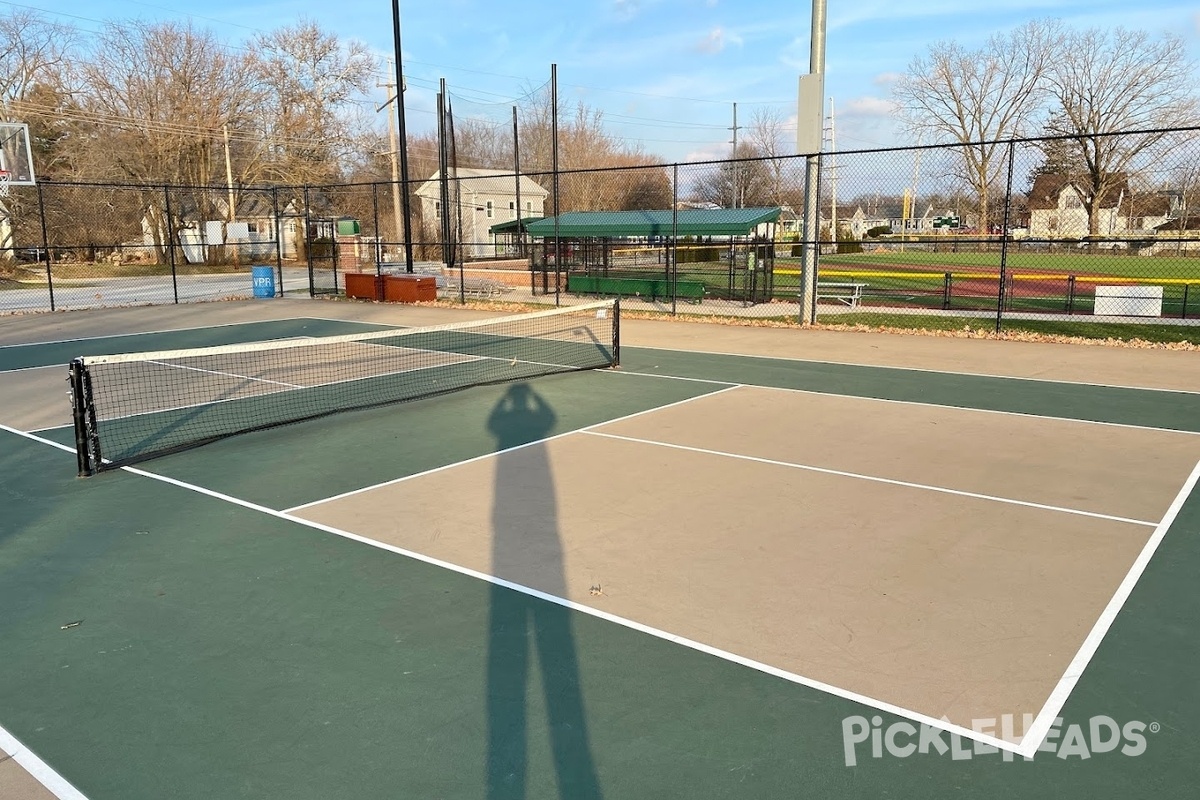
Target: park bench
848, 293
649, 288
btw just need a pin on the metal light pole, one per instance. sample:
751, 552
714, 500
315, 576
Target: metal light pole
403, 135
809, 135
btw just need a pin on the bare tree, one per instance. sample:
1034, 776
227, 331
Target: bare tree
310, 80
749, 179
159, 95
34, 52
33, 55
979, 97
768, 135
1108, 83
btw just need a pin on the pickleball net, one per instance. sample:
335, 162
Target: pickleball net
135, 406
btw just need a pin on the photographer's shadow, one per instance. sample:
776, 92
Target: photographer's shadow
526, 550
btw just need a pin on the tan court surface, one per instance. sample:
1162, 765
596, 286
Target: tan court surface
917, 598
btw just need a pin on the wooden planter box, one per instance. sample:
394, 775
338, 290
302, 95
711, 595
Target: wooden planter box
409, 288
364, 286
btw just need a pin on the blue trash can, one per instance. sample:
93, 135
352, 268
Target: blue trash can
263, 278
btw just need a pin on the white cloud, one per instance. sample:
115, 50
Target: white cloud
715, 152
717, 40
886, 79
867, 107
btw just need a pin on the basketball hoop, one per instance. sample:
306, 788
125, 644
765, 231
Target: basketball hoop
5, 175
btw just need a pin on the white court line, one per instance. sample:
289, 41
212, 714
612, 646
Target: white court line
1040, 728
226, 374
836, 691
872, 478
910, 402
485, 456
915, 369
42, 772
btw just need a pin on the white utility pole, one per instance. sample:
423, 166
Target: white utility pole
833, 225
810, 111
735, 190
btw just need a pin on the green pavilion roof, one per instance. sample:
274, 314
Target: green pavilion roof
692, 222
511, 225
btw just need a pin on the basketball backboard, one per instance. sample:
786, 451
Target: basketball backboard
15, 156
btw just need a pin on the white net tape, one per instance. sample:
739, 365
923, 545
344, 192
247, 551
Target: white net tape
4, 182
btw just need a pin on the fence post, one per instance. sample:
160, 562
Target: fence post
308, 255
45, 243
278, 239
674, 252
1070, 294
1012, 148
378, 248
1183, 311
171, 242
948, 279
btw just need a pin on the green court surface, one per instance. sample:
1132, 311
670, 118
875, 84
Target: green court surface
185, 628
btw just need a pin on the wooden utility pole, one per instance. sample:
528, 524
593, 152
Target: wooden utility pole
232, 215
394, 140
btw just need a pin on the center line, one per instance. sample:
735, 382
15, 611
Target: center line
876, 479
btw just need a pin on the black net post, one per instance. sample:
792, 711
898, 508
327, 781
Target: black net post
616, 334
83, 414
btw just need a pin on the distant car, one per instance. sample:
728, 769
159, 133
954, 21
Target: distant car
29, 254
1101, 243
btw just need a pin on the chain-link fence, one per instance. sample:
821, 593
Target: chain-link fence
69, 246
1100, 229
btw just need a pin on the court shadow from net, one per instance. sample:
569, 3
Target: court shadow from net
526, 549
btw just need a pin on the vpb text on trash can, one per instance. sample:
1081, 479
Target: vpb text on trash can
263, 279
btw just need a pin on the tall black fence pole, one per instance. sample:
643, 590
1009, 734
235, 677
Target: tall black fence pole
278, 239
378, 248
170, 237
46, 246
1012, 149
554, 182
675, 238
308, 243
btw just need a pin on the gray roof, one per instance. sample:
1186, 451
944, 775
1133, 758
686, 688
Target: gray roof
483, 181
696, 222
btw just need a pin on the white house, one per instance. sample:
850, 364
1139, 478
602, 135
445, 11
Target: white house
1056, 209
252, 235
484, 198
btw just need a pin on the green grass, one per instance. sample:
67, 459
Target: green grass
1065, 262
1082, 329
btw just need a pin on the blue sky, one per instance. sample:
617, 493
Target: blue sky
666, 73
